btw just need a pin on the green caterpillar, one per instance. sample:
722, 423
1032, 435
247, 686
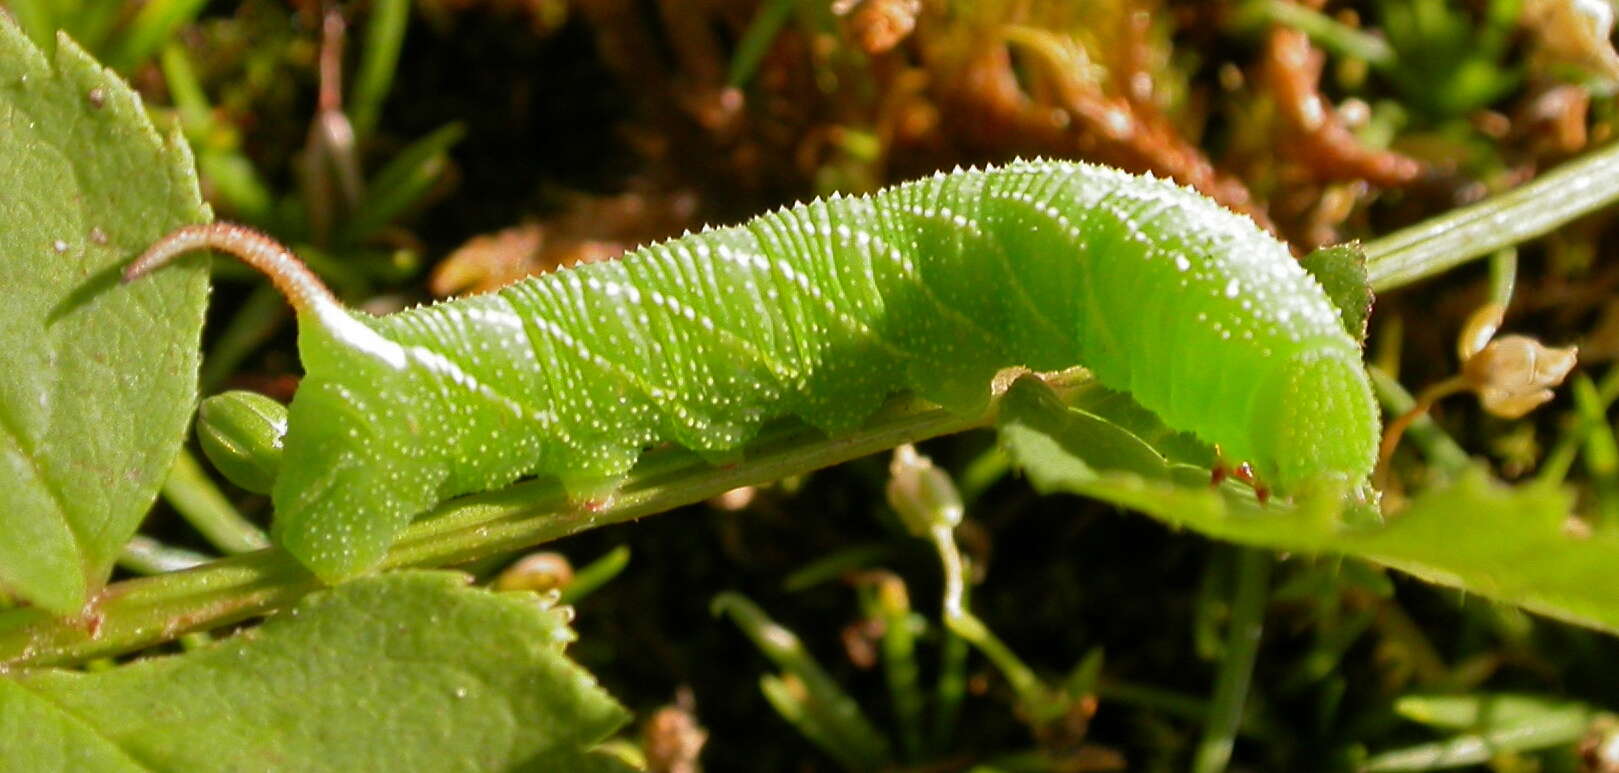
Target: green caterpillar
821, 312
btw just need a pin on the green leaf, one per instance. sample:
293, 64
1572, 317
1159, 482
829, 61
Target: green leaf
99, 379
1100, 448
39, 733
1514, 545
1490, 711
408, 671
1496, 724
756, 42
1341, 270
1511, 544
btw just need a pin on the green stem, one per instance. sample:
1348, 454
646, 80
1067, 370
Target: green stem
949, 692
193, 494
1432, 246
1601, 452
1442, 452
139, 613
237, 187
151, 28
1037, 700
756, 41
1237, 662
596, 574
1331, 34
402, 183
1158, 699
190, 100
144, 555
835, 565
822, 709
1154, 699
983, 472
254, 322
384, 36
891, 604
1556, 465
1503, 275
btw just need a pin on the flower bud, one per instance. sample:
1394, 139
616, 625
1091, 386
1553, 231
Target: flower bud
537, 572
922, 494
1514, 374
241, 433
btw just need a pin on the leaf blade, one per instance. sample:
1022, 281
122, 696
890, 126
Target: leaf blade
412, 670
100, 380
1517, 544
1341, 271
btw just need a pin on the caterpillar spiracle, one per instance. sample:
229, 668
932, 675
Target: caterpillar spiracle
819, 311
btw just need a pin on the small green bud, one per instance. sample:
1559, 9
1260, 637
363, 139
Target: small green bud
922, 494
539, 572
241, 433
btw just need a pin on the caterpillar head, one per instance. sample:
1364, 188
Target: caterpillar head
1310, 416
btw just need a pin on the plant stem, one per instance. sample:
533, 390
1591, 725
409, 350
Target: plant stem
805, 694
1035, 699
1557, 462
1237, 663
890, 602
1432, 246
1440, 450
384, 36
596, 574
139, 613
1331, 34
144, 555
191, 492
1601, 452
948, 692
756, 41
150, 28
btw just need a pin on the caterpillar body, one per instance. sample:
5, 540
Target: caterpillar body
819, 311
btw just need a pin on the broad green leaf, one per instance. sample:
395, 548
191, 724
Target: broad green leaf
1100, 447
36, 732
1511, 544
1514, 545
407, 671
99, 380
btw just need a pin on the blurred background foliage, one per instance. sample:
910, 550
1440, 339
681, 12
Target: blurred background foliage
411, 151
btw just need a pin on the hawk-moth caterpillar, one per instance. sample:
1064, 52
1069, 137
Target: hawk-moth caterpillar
819, 311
